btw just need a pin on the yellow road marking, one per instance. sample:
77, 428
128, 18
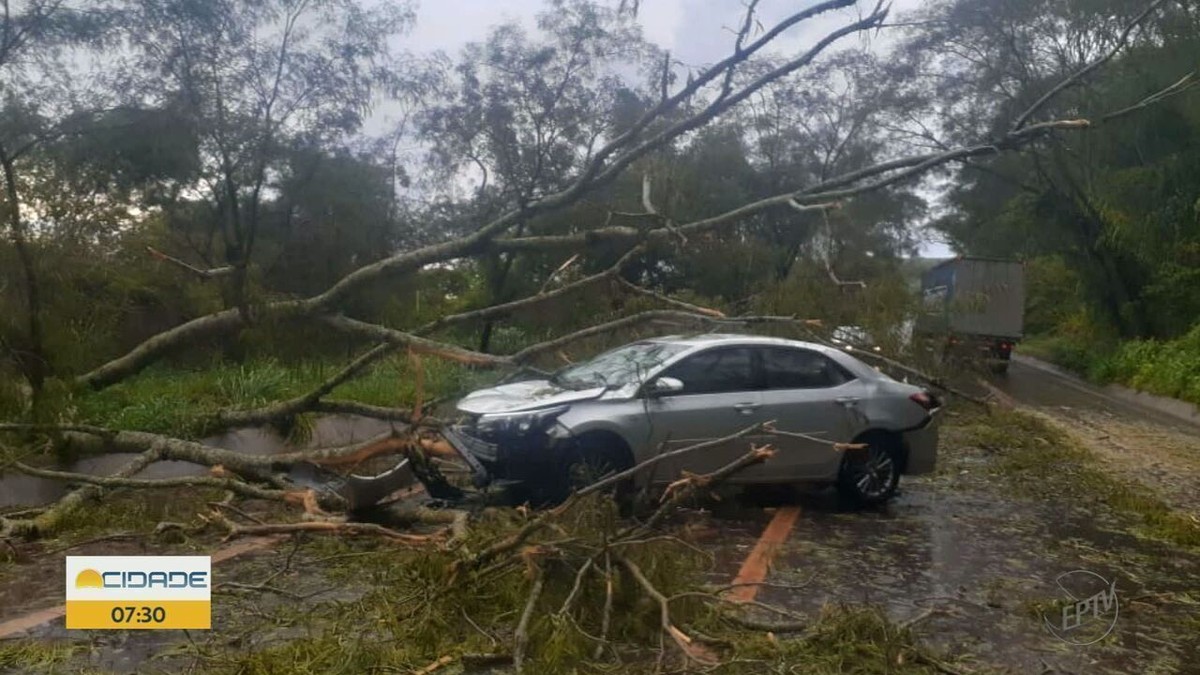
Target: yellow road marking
758, 564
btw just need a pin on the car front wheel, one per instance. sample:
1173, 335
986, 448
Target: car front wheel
592, 458
869, 476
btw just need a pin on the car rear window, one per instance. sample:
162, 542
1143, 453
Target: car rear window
787, 368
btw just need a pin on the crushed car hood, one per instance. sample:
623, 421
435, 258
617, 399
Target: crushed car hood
521, 396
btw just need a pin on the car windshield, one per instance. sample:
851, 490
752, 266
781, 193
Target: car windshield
618, 367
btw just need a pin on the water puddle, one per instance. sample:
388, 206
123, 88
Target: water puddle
18, 490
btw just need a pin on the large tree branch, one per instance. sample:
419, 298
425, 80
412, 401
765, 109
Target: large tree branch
897, 170
1182, 85
204, 274
311, 400
224, 483
1075, 77
604, 166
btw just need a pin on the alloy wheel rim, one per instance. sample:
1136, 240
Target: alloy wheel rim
873, 475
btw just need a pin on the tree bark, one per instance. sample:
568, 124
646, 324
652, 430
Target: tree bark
32, 358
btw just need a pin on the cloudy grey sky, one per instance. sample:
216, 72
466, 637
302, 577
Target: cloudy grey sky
695, 31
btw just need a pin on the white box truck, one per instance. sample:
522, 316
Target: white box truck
976, 305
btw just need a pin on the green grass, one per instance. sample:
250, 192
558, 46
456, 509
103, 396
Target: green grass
40, 656
1167, 368
182, 401
844, 638
1067, 352
136, 511
1042, 460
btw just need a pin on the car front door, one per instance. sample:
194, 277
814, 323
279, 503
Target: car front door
719, 397
806, 392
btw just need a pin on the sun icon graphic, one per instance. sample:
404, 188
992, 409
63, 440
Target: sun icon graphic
89, 579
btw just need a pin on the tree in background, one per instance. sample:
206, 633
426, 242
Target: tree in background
525, 113
259, 84
1116, 204
42, 103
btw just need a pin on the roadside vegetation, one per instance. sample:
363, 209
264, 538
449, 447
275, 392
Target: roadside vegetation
1042, 459
1067, 330
1162, 367
203, 227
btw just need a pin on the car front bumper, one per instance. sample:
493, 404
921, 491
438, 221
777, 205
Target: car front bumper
474, 452
511, 460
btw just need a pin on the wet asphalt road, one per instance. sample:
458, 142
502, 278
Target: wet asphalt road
1043, 386
959, 543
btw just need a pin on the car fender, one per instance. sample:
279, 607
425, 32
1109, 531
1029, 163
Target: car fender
597, 424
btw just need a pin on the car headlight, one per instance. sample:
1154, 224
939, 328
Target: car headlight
519, 423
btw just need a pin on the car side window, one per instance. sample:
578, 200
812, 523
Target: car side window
785, 368
716, 371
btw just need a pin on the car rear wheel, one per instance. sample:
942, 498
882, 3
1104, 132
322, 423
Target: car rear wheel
869, 476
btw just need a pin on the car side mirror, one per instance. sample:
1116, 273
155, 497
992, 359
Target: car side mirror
664, 386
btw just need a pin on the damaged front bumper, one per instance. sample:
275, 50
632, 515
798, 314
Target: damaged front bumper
512, 458
474, 451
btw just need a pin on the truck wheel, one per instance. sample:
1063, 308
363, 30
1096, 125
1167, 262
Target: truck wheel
870, 476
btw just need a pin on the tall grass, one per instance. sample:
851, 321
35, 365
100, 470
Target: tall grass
1167, 368
182, 401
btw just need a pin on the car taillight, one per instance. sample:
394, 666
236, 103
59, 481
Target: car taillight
1006, 346
925, 400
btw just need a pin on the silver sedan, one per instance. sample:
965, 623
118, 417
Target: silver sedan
623, 407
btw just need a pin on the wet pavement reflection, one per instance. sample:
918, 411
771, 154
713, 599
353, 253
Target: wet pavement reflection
20, 490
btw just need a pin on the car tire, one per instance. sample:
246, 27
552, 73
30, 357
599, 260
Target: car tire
593, 458
870, 476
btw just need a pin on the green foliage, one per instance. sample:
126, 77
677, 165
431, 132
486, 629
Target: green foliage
1114, 209
1167, 368
30, 656
881, 307
180, 401
1078, 342
847, 638
1053, 295
406, 607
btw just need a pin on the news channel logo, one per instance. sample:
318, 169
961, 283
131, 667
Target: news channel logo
139, 592
1089, 610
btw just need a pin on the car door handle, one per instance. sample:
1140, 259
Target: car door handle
846, 401
746, 408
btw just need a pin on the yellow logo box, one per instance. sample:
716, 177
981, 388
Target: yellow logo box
139, 592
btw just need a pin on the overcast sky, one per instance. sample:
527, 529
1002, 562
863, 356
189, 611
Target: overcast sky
695, 31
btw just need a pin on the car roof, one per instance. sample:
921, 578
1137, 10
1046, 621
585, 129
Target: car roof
714, 339
699, 341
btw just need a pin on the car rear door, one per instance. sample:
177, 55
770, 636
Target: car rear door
720, 396
807, 392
